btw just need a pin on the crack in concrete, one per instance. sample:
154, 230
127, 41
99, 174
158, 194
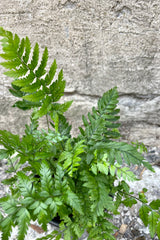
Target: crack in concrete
132, 123
16, 13
149, 96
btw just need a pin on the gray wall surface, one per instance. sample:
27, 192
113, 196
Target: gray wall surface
99, 44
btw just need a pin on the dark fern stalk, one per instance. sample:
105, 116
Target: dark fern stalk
55, 174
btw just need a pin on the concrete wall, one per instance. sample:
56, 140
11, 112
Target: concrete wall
99, 44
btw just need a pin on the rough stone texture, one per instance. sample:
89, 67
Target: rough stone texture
99, 44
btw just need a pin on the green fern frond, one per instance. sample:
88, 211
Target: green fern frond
32, 78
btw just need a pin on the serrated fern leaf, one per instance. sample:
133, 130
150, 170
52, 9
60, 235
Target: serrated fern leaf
73, 201
25, 105
9, 141
35, 57
49, 77
27, 50
143, 213
61, 108
11, 64
125, 173
155, 204
45, 107
23, 217
22, 82
152, 221
41, 69
57, 87
55, 119
108, 102
158, 229
17, 72
128, 152
32, 88
63, 126
6, 226
71, 159
16, 41
36, 97
5, 153
46, 177
129, 202
98, 193
25, 184
15, 91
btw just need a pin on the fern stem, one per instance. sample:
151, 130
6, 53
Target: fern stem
135, 198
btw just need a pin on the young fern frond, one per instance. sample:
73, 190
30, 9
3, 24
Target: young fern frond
101, 125
70, 157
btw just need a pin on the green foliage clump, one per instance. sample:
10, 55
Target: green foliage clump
55, 174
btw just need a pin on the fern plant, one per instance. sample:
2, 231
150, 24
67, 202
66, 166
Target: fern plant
55, 174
